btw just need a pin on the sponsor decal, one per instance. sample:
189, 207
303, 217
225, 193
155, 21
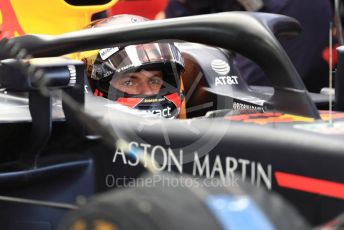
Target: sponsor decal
161, 112
97, 72
335, 128
223, 167
108, 73
107, 52
150, 100
226, 80
268, 118
222, 68
227, 168
125, 67
272, 117
241, 106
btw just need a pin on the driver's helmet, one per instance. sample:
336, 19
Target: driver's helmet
141, 76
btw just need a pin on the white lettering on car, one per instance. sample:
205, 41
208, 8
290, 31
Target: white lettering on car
161, 112
225, 167
241, 106
226, 80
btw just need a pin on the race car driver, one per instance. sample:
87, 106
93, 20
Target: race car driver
143, 77
140, 76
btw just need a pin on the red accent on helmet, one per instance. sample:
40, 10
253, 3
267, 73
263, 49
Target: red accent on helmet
176, 99
130, 102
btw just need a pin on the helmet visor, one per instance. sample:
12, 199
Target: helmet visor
139, 56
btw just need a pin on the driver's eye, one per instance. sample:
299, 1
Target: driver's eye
156, 81
128, 83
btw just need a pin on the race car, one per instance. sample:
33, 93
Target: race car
282, 143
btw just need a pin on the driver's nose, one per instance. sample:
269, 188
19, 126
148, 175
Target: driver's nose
145, 89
